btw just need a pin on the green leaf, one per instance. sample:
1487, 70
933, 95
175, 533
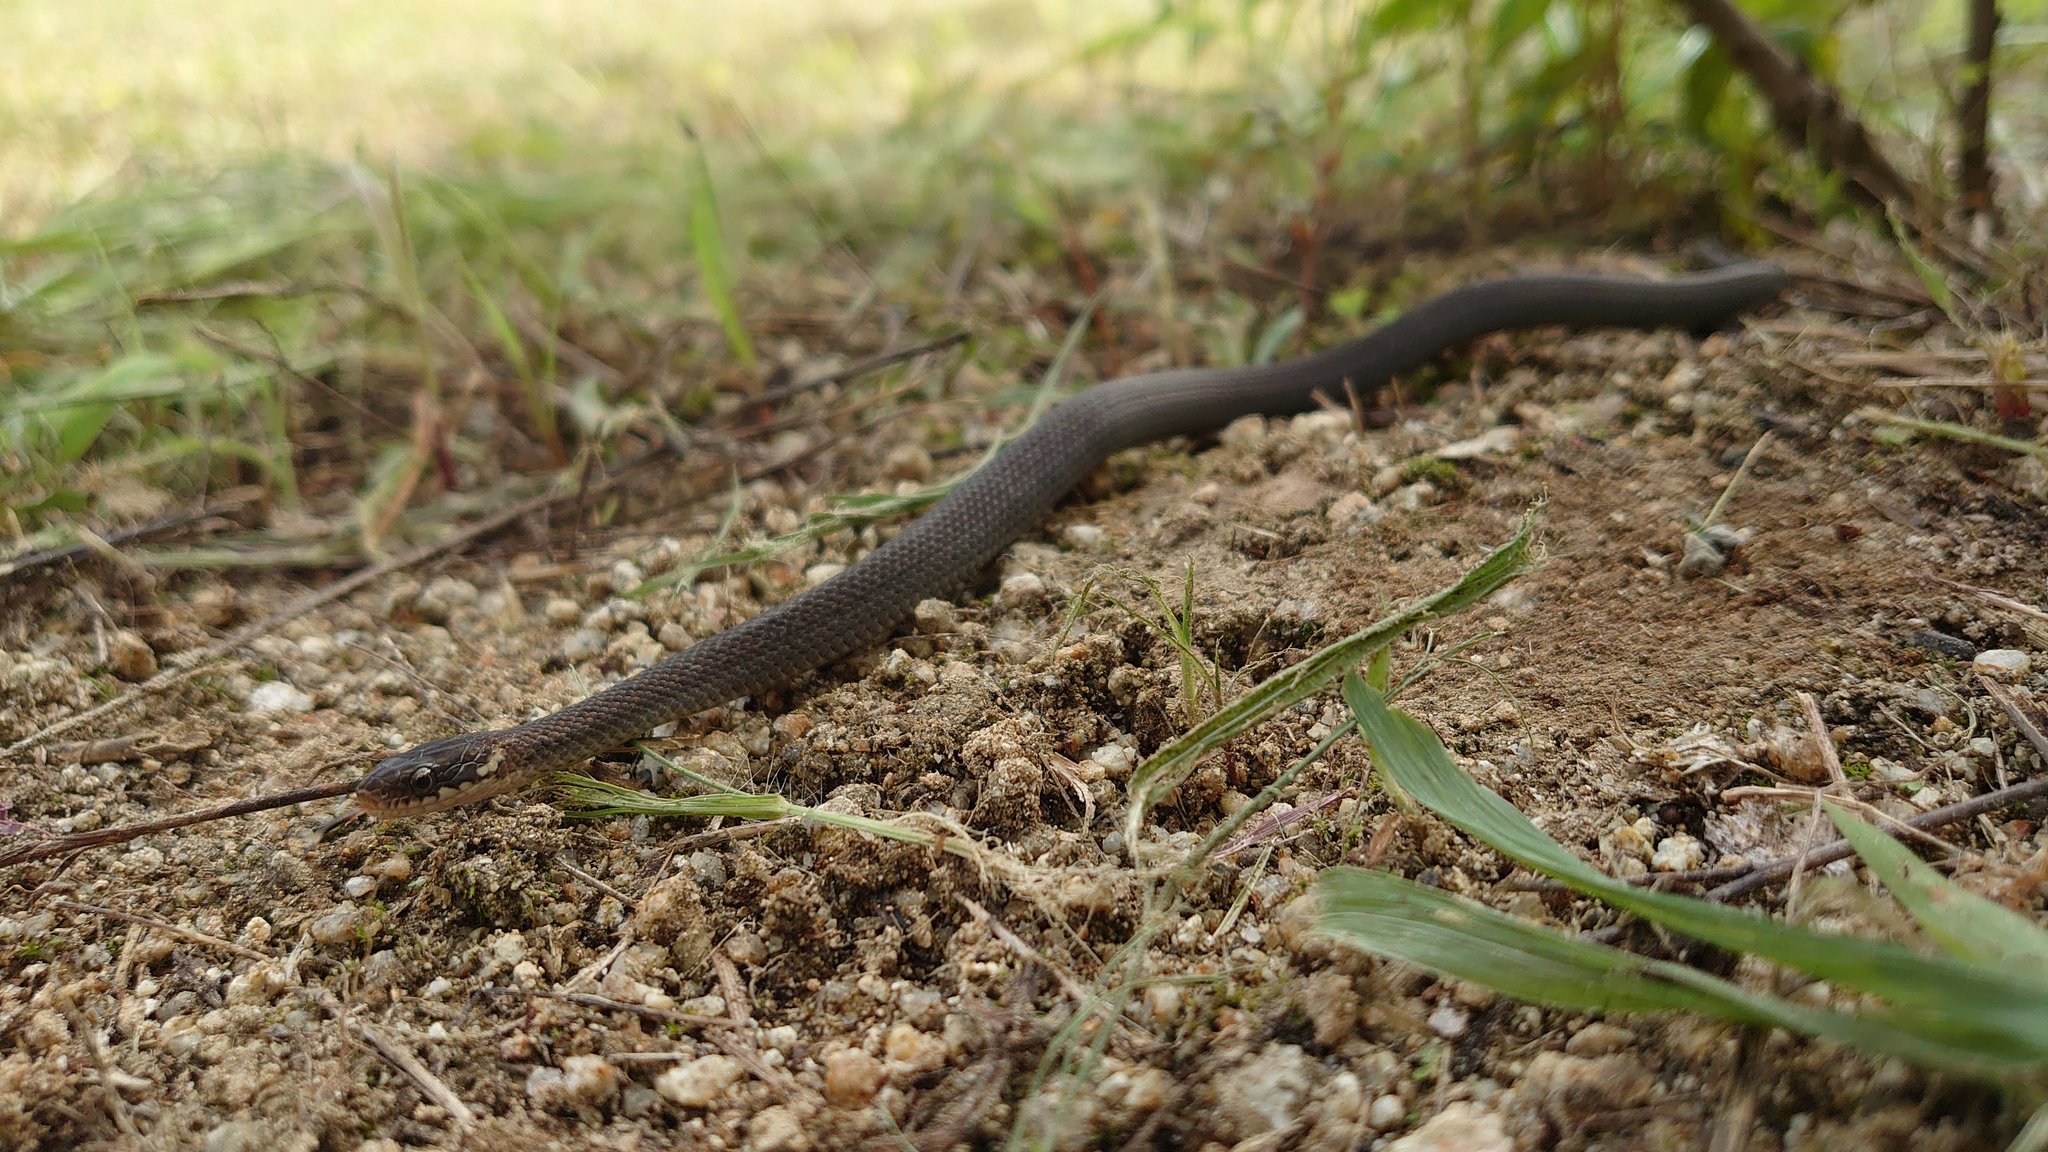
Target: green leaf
1276, 335
1466, 940
1511, 21
1418, 15
1996, 1012
707, 244
1164, 771
1964, 923
1706, 82
1348, 303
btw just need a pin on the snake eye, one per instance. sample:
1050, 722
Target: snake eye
422, 781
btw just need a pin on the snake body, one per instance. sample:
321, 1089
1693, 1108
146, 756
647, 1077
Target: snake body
990, 508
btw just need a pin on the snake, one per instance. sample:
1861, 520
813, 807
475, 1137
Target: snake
993, 505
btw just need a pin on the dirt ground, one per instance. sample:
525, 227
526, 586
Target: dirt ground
505, 977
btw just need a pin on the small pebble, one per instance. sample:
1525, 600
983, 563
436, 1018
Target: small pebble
777, 1129
1599, 1039
852, 1077
908, 461
2005, 663
817, 574
1019, 591
1387, 1112
562, 610
905, 1045
1679, 853
1448, 1022
130, 657
935, 617
442, 596
342, 925
583, 644
357, 887
1085, 537
699, 1083
273, 696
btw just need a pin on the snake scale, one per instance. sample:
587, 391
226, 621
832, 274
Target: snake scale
1006, 497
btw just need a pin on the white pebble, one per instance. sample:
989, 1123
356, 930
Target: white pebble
1017, 591
1083, 536
1449, 1022
339, 926
2007, 663
358, 887
1678, 853
817, 574
699, 1083
1387, 1112
278, 696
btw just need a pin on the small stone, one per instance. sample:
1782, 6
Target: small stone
2004, 663
1449, 1022
1678, 853
1351, 508
1164, 1002
1267, 1093
442, 596
1461, 1127
1599, 1039
1083, 537
852, 1077
259, 985
913, 1050
699, 1083
817, 574
342, 925
1387, 1112
581, 1082
935, 617
583, 644
273, 696
908, 461
357, 887
1020, 591
777, 1129
130, 656
560, 610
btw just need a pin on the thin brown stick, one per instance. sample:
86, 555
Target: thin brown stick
588, 1000
1808, 112
853, 371
1828, 853
1973, 112
142, 919
122, 833
402, 1059
31, 561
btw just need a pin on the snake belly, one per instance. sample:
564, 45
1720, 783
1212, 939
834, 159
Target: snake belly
1006, 497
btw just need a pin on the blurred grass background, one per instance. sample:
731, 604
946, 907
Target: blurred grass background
367, 256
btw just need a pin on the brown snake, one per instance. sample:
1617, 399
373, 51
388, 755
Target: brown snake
1006, 497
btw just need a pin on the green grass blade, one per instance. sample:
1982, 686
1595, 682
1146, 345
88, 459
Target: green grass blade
1164, 771
1964, 923
1452, 936
1943, 997
707, 244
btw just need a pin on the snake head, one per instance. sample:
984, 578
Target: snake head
438, 775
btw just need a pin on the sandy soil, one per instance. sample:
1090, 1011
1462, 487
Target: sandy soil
505, 977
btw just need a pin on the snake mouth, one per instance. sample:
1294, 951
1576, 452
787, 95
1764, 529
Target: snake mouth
438, 776
386, 805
